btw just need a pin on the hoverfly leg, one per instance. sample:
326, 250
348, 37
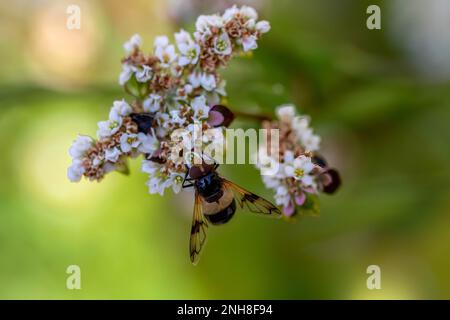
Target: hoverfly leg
186, 179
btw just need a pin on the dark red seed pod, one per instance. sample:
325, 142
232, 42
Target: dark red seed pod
329, 181
220, 115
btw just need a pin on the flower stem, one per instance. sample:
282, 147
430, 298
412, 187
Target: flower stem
252, 116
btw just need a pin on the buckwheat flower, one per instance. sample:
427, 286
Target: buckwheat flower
195, 79
190, 53
300, 169
112, 154
152, 103
282, 196
271, 182
133, 43
80, 146
250, 24
222, 44
248, 13
307, 138
175, 181
189, 50
286, 113
208, 81
161, 41
98, 160
310, 141
127, 71
184, 92
120, 108
156, 185
262, 26
249, 43
164, 51
147, 143
230, 13
151, 167
128, 142
110, 126
163, 122
144, 73
75, 171
201, 110
205, 22
176, 118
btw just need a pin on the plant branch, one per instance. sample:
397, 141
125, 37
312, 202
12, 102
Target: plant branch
252, 116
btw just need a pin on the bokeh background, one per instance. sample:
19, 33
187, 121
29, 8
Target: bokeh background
380, 99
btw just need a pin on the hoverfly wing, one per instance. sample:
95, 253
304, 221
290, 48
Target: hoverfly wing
254, 203
198, 231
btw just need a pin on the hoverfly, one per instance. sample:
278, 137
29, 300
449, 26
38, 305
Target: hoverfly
215, 202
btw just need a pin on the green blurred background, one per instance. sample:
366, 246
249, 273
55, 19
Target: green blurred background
380, 99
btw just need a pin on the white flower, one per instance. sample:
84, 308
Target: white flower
127, 72
286, 113
175, 181
147, 143
112, 154
310, 141
300, 170
75, 171
208, 81
282, 196
109, 127
134, 42
162, 119
144, 74
150, 167
222, 44
164, 51
201, 110
128, 141
156, 185
230, 13
176, 117
263, 26
250, 24
189, 54
248, 13
120, 108
161, 41
249, 43
152, 103
97, 161
271, 182
184, 91
80, 146
300, 125
204, 23
307, 138
195, 79
182, 37
189, 50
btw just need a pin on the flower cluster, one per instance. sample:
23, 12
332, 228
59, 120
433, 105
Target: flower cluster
301, 173
175, 87
118, 139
